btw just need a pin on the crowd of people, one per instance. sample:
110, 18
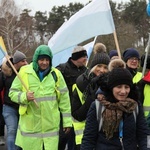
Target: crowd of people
75, 106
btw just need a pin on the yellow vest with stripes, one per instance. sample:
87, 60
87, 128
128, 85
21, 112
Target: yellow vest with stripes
146, 104
137, 77
78, 126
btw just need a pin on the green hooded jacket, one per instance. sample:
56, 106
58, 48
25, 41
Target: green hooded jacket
40, 126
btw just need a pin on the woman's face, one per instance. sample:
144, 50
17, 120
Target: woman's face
121, 92
101, 69
133, 63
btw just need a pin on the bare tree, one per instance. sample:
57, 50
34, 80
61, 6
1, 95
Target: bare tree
14, 29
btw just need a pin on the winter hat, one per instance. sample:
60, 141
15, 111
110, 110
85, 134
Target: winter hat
18, 56
119, 76
100, 55
43, 56
78, 52
147, 62
99, 47
130, 52
113, 53
116, 63
99, 91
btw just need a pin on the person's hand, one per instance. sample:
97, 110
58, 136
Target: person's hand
102, 82
30, 96
67, 130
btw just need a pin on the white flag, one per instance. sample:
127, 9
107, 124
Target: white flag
92, 20
64, 55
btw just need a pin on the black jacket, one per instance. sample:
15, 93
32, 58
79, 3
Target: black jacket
84, 83
70, 73
134, 133
5, 83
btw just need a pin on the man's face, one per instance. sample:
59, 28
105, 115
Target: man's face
21, 63
82, 61
43, 63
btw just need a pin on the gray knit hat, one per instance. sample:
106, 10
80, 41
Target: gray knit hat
18, 56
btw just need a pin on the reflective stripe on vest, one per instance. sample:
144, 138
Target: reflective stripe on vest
78, 126
66, 115
146, 108
137, 77
146, 104
63, 90
38, 135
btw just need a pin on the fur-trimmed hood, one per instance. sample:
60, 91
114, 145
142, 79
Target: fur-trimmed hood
6, 68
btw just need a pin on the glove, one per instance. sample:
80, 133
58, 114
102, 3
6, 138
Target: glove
102, 82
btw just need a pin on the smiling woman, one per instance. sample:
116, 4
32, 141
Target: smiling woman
115, 115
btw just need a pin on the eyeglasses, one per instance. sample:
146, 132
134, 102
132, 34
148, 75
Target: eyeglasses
134, 58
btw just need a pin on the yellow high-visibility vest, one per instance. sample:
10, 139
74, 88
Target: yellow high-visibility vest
78, 126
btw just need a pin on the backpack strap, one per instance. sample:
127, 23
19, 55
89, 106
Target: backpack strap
99, 109
135, 113
55, 74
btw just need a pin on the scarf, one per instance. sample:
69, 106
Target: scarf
132, 71
43, 73
113, 114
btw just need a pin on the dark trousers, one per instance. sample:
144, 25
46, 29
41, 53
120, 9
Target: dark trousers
67, 139
78, 147
2, 122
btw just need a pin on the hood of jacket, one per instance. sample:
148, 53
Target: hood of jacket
41, 50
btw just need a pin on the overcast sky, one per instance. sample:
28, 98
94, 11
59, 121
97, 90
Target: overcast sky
46, 5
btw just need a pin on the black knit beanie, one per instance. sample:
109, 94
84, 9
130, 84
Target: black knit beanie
113, 53
130, 52
100, 55
43, 56
100, 58
119, 76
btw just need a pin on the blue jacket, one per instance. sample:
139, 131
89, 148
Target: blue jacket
134, 133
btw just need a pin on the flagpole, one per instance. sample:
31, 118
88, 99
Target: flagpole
14, 69
146, 56
117, 45
92, 50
